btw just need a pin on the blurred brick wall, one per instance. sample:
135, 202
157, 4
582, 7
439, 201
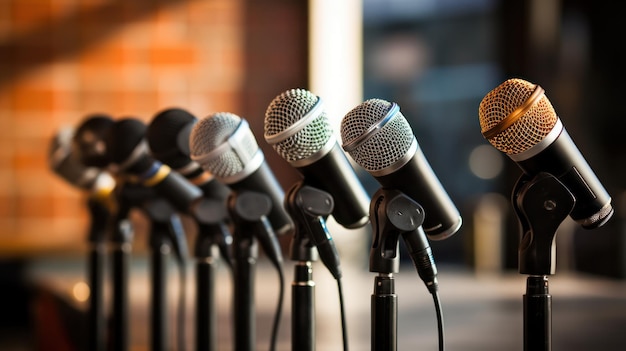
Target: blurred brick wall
61, 60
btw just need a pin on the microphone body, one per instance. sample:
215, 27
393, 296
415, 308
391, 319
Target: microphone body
168, 137
563, 160
129, 152
224, 145
380, 139
534, 137
334, 174
418, 181
297, 127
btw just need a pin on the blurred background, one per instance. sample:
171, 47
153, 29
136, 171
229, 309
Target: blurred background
61, 60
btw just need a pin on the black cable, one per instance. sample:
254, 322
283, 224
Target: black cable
439, 311
344, 328
279, 309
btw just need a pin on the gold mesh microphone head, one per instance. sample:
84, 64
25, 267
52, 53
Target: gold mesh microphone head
516, 116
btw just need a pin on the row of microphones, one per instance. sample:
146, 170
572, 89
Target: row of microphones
199, 163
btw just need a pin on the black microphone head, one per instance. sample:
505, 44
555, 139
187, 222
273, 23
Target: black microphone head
377, 136
127, 147
168, 136
89, 140
297, 127
224, 145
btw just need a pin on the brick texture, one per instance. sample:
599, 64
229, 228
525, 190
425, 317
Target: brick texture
61, 60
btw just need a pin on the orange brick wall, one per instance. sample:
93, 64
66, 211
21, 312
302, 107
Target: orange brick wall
61, 60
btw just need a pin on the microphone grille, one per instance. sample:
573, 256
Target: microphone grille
384, 148
209, 133
531, 128
289, 108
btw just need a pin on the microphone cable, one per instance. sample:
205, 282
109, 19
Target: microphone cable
424, 263
342, 308
279, 310
439, 311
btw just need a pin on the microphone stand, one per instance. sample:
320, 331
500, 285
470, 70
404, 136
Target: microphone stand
166, 230
541, 204
100, 217
127, 194
212, 231
391, 216
248, 211
308, 208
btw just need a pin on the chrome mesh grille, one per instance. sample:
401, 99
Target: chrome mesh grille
289, 108
213, 131
384, 148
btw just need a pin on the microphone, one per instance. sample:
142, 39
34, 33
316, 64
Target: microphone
168, 138
66, 164
379, 138
129, 153
297, 127
89, 140
518, 119
224, 145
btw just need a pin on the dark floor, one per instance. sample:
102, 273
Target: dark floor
480, 312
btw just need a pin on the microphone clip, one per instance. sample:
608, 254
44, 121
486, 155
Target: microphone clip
392, 214
541, 204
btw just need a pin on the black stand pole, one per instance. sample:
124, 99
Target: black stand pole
100, 217
166, 235
541, 205
121, 251
212, 231
392, 215
384, 316
309, 207
248, 211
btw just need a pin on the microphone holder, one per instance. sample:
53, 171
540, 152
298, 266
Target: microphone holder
100, 217
541, 204
166, 230
309, 208
248, 211
392, 214
210, 216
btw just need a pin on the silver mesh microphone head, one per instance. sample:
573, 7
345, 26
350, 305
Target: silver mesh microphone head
297, 127
515, 116
378, 137
224, 145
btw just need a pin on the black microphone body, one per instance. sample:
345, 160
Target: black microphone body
124, 144
263, 181
417, 180
564, 161
334, 174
